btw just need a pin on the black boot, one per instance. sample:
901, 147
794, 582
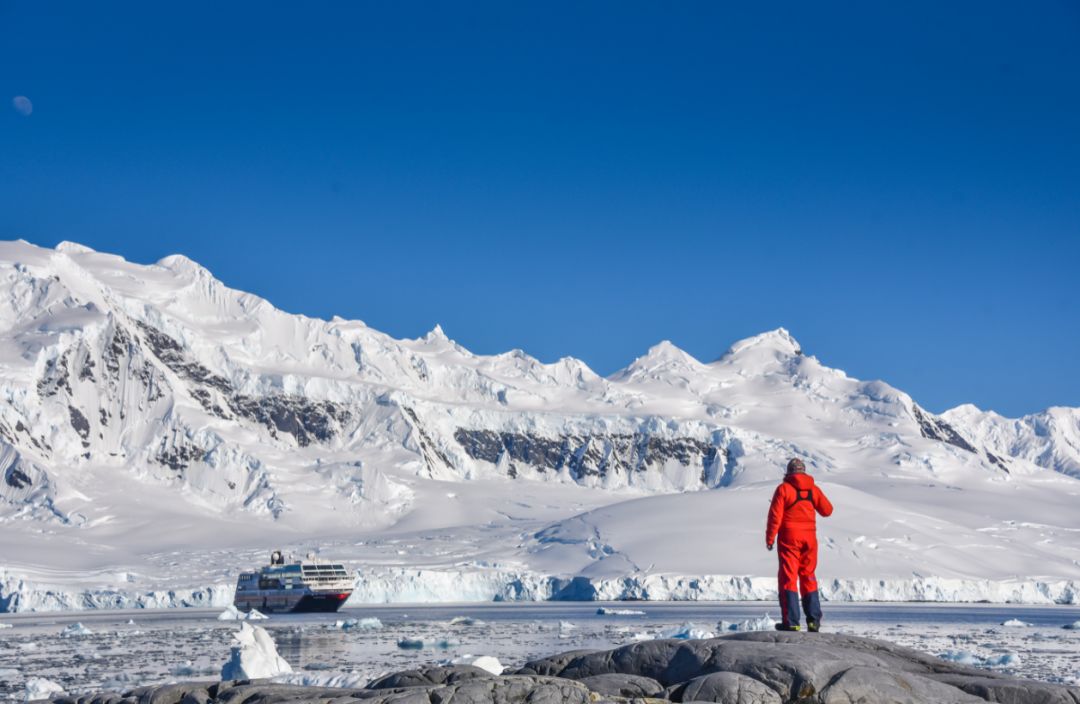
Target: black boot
786, 627
812, 625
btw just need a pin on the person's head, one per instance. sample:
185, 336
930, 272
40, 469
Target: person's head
796, 466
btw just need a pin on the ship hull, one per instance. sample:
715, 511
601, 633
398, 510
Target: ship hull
322, 603
292, 601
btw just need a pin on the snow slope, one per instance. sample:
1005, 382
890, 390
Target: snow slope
161, 431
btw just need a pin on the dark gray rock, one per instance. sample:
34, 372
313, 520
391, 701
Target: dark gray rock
807, 667
742, 668
988, 687
591, 455
510, 689
876, 684
169, 693
725, 687
554, 664
265, 692
618, 685
430, 676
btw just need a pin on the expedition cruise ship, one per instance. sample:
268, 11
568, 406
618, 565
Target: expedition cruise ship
299, 586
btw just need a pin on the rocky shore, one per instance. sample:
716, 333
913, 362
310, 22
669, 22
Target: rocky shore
743, 668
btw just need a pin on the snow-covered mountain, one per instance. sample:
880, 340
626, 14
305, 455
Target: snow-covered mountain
159, 426
1050, 439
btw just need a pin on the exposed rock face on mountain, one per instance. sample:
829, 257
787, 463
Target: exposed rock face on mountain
751, 668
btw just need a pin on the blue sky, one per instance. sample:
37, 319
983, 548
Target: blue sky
896, 183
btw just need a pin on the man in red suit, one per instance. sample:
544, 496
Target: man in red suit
793, 518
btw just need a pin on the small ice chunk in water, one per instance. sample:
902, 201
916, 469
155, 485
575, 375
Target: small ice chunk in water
41, 688
5, 625
75, 629
359, 624
1074, 626
688, 631
348, 680
1015, 623
410, 644
765, 623
255, 655
1004, 660
967, 658
605, 611
463, 621
231, 613
961, 656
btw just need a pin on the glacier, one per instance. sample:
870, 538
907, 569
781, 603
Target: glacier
161, 432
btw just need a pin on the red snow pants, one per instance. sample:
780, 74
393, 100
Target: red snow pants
797, 551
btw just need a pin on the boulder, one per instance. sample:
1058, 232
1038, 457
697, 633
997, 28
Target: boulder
724, 687
430, 676
509, 689
881, 686
618, 685
1006, 690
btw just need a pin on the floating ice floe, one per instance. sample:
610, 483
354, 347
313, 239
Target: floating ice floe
605, 611
193, 669
418, 644
359, 624
965, 657
254, 655
40, 688
1015, 623
75, 629
484, 662
687, 631
231, 613
4, 625
118, 682
1074, 626
463, 621
765, 623
346, 680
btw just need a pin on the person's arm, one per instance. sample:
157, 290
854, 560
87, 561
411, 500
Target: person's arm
776, 515
821, 502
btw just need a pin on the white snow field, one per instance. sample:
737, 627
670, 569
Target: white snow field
160, 432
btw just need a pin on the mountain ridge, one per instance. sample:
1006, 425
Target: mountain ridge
137, 390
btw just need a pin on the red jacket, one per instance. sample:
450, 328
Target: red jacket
788, 514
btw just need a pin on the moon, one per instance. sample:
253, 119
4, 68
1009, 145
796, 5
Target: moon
22, 105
